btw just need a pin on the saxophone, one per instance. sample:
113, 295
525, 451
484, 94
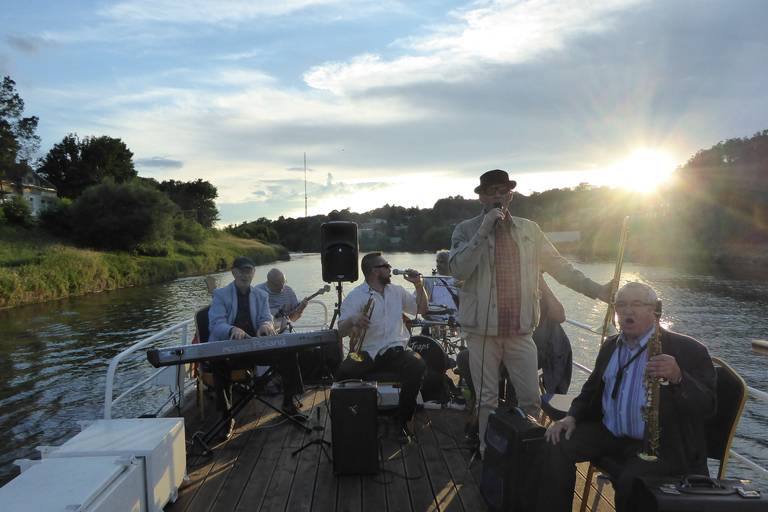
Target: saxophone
357, 337
650, 410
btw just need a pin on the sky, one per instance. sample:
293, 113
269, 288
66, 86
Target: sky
391, 102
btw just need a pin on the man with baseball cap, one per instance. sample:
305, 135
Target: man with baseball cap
498, 257
240, 311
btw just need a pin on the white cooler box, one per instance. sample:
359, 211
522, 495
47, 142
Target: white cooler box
159, 441
82, 484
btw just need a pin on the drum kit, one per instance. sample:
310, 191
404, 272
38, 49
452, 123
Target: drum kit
440, 337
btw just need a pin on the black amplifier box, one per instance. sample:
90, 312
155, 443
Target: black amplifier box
354, 425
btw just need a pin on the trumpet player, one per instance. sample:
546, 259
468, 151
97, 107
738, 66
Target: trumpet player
382, 334
607, 417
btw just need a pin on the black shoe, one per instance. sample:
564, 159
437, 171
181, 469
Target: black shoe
227, 430
292, 411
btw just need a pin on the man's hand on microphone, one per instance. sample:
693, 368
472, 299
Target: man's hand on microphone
489, 221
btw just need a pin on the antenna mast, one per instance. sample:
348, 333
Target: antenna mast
305, 184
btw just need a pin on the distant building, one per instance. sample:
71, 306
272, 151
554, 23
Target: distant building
22, 180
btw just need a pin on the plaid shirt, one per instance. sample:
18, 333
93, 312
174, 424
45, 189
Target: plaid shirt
507, 256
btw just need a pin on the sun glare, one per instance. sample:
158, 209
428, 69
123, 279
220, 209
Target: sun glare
644, 170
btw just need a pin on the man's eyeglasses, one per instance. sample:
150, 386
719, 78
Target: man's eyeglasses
635, 304
387, 265
489, 191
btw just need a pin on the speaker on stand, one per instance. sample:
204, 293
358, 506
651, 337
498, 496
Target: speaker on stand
339, 259
339, 256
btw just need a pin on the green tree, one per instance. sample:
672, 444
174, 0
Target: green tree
73, 165
18, 140
17, 211
196, 199
128, 216
20, 129
57, 218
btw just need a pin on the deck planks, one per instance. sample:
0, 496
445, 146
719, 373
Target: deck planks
256, 468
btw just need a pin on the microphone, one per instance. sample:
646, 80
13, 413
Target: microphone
399, 272
496, 222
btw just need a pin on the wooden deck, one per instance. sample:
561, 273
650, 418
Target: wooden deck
256, 468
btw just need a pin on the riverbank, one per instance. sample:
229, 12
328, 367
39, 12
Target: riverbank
35, 267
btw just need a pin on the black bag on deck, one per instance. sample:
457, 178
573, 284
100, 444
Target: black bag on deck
695, 493
513, 461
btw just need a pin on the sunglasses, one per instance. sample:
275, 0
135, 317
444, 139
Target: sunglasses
489, 191
387, 265
635, 304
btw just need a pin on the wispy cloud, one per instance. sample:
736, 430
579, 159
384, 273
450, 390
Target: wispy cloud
31, 45
159, 162
204, 11
504, 32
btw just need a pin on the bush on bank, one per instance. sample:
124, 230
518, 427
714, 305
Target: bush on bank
35, 268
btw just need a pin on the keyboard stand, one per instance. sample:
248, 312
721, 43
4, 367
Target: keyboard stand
247, 394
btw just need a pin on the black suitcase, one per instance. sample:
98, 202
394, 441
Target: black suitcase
695, 493
513, 461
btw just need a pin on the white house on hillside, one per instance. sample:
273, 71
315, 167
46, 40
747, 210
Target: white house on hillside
33, 187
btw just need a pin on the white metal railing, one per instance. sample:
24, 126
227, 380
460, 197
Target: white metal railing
755, 393
112, 370
180, 381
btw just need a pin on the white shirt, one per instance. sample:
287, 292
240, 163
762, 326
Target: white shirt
441, 294
387, 329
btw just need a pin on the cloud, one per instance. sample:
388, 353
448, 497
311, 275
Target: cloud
31, 45
502, 32
159, 162
204, 11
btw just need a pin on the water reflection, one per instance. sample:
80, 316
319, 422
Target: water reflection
55, 354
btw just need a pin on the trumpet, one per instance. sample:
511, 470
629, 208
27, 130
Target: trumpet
650, 410
609, 323
357, 337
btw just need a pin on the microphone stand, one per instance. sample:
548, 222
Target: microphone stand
317, 427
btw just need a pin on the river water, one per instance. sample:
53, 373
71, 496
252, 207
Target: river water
55, 354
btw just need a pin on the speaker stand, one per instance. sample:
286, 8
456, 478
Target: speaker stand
337, 309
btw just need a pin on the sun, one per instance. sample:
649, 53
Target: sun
644, 170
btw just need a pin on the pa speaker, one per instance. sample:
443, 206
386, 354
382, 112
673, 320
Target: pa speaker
339, 251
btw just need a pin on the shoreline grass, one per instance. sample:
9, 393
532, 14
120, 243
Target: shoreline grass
36, 268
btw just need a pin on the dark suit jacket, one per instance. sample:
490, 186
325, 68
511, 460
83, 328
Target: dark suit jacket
682, 409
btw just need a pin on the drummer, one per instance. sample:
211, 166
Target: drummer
442, 291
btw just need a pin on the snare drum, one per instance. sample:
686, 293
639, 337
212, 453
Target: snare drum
438, 309
431, 351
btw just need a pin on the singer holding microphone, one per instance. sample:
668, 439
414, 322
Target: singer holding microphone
376, 309
498, 257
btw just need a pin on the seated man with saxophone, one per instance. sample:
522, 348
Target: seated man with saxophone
372, 315
644, 404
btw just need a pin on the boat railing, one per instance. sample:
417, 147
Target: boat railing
180, 378
758, 346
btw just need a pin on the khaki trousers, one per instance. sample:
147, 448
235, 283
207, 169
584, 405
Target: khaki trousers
519, 355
